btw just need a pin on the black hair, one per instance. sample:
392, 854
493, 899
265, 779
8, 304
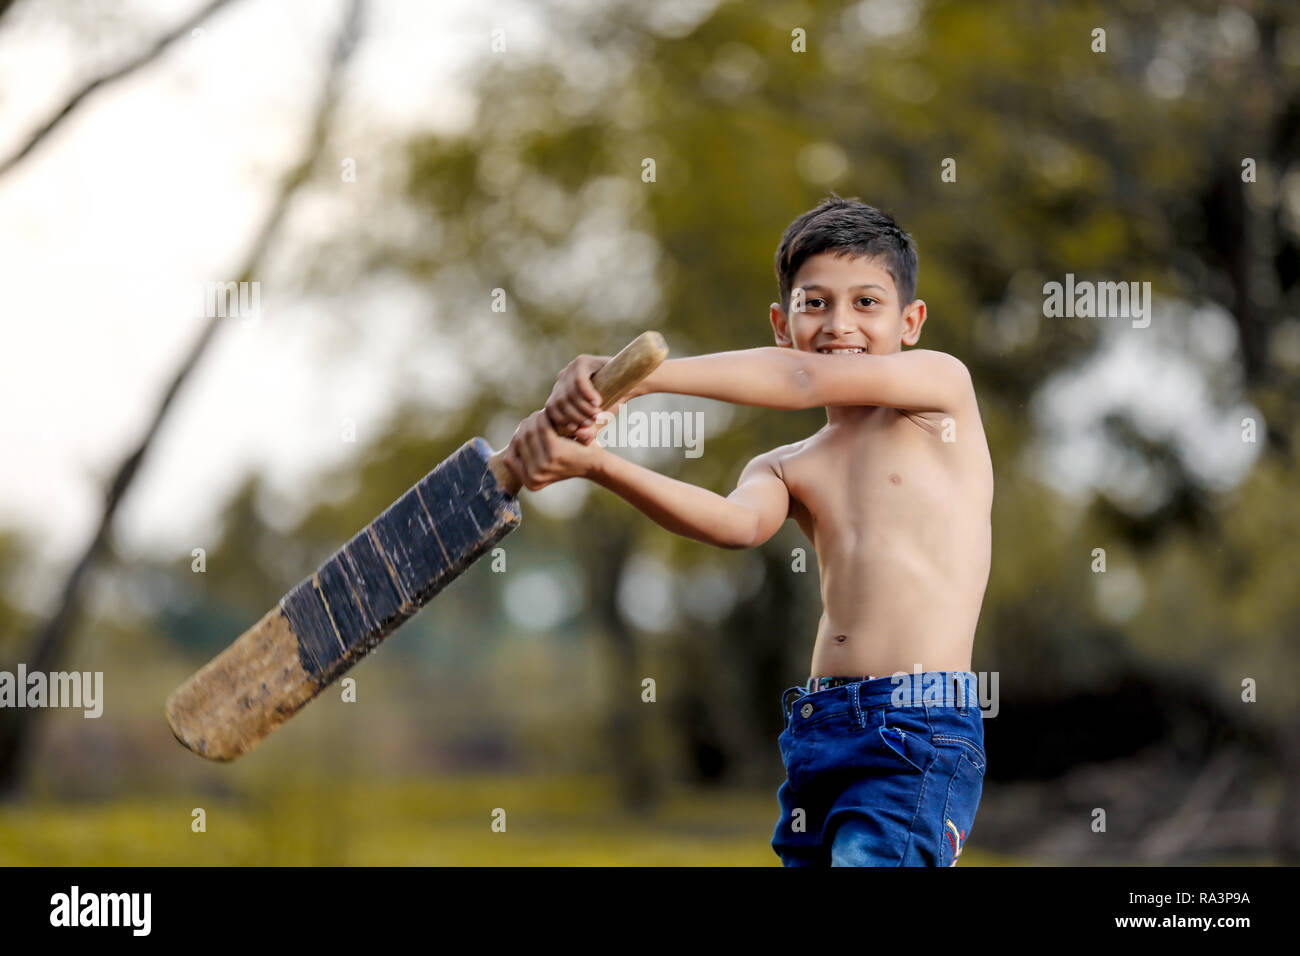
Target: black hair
847, 227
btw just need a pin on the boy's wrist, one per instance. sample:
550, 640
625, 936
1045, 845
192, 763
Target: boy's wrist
644, 387
596, 468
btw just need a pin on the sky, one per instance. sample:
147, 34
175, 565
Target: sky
154, 187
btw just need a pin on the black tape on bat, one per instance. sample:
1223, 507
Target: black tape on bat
394, 566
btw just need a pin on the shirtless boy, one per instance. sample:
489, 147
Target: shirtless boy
884, 746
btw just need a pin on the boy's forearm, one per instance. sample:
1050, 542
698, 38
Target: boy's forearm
768, 377
919, 379
684, 509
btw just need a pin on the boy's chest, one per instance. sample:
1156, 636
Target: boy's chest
889, 469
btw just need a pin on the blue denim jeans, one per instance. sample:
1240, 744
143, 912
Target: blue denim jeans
885, 772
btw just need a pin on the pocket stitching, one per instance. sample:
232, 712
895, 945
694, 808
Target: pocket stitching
818, 720
947, 805
968, 744
901, 756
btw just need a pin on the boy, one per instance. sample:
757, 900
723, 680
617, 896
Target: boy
894, 493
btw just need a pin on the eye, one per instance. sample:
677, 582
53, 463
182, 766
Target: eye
811, 300
867, 299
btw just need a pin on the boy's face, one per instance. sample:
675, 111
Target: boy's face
847, 301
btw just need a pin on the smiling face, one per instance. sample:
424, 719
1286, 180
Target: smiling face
849, 303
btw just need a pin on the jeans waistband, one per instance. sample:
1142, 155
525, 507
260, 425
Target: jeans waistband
917, 689
816, 684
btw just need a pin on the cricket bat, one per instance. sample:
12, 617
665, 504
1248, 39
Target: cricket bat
369, 587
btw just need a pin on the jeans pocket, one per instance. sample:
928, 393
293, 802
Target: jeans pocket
909, 747
973, 750
964, 790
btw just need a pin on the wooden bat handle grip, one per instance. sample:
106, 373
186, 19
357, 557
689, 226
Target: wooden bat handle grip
615, 379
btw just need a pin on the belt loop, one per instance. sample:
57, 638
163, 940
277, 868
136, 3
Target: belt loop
785, 707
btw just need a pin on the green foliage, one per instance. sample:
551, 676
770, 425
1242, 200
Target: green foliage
1067, 161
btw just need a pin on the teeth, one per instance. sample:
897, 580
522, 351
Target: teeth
852, 351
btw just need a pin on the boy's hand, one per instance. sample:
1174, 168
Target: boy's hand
539, 455
574, 405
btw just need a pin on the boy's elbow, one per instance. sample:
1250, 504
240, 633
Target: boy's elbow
740, 534
960, 383
799, 390
959, 371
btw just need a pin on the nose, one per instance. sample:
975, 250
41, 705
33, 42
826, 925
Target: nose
840, 320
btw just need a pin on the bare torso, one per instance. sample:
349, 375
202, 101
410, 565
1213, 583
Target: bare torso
900, 521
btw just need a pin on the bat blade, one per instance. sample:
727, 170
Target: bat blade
365, 590
387, 572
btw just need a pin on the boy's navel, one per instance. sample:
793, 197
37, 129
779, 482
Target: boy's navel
841, 638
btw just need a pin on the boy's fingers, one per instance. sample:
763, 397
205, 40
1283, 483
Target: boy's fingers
534, 450
584, 381
573, 415
516, 464
566, 426
539, 426
522, 455
545, 427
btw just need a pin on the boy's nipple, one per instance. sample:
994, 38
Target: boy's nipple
895, 478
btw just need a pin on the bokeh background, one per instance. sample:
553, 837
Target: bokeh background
380, 168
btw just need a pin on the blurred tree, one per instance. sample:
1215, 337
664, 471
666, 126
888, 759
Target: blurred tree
1103, 164
1127, 164
15, 553
125, 69
48, 644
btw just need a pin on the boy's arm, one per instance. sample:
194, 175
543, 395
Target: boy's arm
539, 456
747, 517
773, 377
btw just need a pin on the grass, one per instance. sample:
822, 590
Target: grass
549, 821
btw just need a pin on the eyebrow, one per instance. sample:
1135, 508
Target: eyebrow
814, 287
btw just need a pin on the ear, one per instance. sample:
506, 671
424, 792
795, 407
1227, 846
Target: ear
780, 326
913, 319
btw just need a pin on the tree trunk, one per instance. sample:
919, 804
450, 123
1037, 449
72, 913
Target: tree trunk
48, 645
605, 548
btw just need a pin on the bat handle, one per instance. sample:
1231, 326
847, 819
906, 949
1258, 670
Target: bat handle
615, 379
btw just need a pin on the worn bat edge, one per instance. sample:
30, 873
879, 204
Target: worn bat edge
215, 715
225, 708
222, 711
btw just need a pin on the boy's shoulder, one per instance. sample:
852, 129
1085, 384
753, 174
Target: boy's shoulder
773, 459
